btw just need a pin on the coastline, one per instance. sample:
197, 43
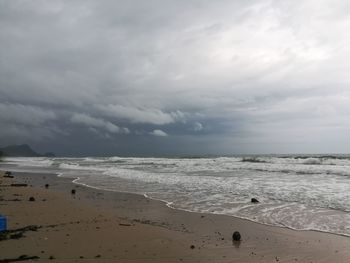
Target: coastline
175, 230
168, 204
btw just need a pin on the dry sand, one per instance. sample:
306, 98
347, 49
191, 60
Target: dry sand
100, 226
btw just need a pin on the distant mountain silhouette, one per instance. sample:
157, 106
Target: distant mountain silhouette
23, 150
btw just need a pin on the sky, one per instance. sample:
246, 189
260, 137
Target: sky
165, 77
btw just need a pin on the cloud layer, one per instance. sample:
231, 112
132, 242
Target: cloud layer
207, 76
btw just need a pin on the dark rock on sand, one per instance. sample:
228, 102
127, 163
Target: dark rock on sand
31, 199
192, 247
73, 191
254, 200
236, 236
46, 185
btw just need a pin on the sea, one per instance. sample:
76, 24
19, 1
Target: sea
305, 192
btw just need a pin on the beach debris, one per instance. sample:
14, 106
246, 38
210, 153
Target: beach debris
125, 224
73, 191
254, 200
55, 225
17, 233
10, 200
192, 247
46, 186
148, 222
19, 185
51, 257
98, 256
3, 223
20, 258
236, 236
31, 199
8, 174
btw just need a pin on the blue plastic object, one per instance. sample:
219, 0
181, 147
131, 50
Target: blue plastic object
3, 223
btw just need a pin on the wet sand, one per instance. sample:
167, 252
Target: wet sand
100, 226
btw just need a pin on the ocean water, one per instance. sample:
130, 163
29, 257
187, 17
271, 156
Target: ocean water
298, 192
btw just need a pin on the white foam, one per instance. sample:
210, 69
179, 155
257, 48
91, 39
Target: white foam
30, 161
77, 166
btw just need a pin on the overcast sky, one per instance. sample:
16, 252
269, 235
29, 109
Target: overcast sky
101, 77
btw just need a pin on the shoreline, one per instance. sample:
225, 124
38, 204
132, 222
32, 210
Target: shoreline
298, 206
211, 234
167, 204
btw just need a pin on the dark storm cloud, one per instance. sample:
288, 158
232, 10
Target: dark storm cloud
175, 76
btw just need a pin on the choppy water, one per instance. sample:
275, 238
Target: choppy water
299, 192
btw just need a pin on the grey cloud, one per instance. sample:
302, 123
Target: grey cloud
197, 126
20, 134
26, 123
253, 72
139, 115
158, 133
92, 122
24, 114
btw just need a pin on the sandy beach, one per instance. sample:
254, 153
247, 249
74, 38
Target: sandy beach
99, 226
